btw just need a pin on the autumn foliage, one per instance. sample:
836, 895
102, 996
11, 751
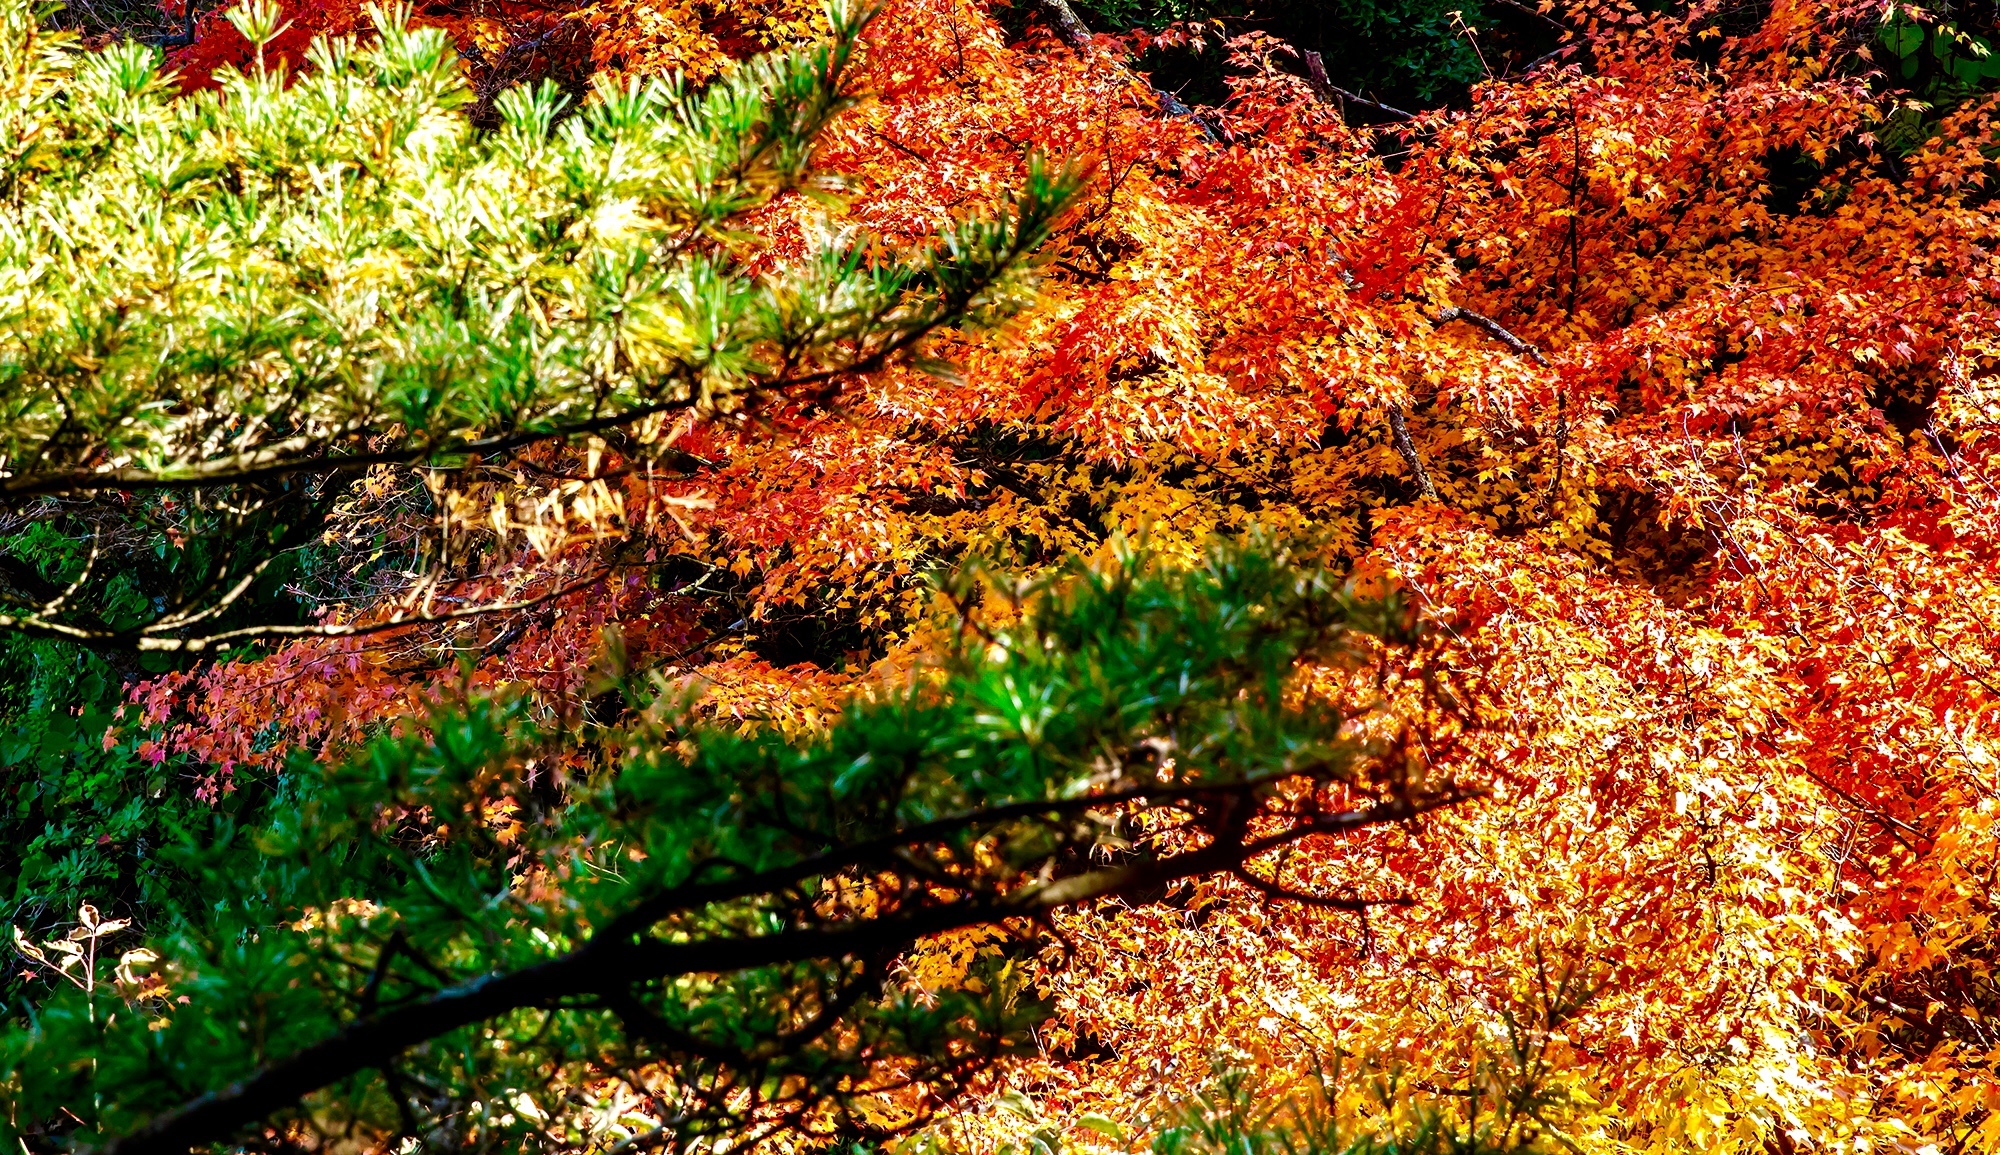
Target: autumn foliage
1688, 337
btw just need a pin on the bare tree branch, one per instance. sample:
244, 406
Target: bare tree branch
1520, 348
876, 850
1491, 328
1069, 28
1340, 97
144, 641
1400, 430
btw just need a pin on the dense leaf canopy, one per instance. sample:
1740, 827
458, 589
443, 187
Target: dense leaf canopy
1653, 369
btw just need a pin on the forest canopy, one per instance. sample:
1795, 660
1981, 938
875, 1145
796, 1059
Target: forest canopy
1005, 578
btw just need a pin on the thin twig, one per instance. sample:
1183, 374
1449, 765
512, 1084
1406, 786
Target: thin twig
141, 641
1340, 97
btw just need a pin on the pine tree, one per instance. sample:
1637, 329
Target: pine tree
231, 305
417, 944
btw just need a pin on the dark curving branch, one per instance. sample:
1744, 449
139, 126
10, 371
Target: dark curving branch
613, 962
1282, 893
305, 457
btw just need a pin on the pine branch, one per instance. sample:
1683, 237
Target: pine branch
609, 964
